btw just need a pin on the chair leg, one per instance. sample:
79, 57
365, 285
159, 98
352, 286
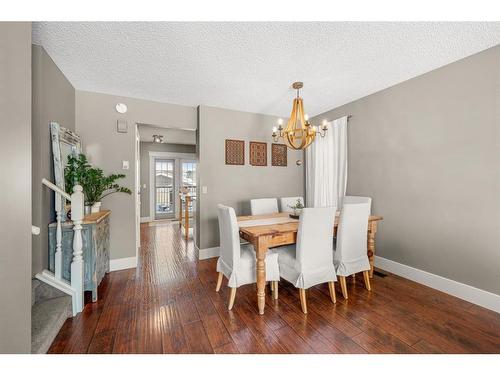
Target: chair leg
231, 298
219, 282
366, 276
274, 285
343, 286
303, 301
331, 286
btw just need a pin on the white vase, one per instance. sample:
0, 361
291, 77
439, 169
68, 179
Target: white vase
96, 207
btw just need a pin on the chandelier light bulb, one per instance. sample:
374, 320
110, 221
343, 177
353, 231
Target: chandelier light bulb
280, 121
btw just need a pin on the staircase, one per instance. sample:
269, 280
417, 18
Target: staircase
50, 308
53, 299
75, 287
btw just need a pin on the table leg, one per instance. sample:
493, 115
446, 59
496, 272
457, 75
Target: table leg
180, 212
261, 245
372, 229
186, 213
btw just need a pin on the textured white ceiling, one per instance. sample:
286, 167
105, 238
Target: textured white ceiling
250, 66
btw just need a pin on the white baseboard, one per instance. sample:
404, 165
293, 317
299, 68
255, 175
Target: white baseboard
122, 263
466, 292
145, 219
208, 253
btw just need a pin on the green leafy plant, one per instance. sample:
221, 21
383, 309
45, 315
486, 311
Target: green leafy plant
297, 206
95, 184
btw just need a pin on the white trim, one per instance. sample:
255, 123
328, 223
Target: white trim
172, 155
122, 263
211, 252
466, 292
145, 219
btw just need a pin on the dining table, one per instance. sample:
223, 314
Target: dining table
279, 229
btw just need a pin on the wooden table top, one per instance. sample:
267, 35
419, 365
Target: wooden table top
94, 218
269, 229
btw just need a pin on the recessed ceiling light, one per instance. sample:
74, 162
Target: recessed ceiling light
121, 108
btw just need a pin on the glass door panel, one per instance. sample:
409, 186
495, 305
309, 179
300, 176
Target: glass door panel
164, 188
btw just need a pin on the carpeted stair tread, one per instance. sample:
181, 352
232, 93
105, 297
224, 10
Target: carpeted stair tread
47, 318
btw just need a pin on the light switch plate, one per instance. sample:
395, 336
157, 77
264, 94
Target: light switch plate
204, 189
125, 164
121, 126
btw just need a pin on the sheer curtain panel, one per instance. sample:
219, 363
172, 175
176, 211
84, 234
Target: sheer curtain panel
326, 166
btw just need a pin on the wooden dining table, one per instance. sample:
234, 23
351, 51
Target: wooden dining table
266, 231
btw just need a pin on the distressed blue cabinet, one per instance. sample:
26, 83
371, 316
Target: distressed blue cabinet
95, 235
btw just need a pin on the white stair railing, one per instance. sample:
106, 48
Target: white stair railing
75, 287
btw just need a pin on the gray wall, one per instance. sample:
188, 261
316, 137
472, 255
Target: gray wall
428, 152
15, 185
235, 185
53, 99
96, 123
146, 147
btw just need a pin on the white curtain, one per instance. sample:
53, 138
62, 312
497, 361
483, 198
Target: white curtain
326, 166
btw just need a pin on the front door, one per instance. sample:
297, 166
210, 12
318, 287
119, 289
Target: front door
164, 188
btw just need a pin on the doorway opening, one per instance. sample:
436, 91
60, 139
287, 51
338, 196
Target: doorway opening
167, 167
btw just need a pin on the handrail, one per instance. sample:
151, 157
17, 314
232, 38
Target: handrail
77, 267
56, 188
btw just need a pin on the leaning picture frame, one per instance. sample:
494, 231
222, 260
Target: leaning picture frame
64, 143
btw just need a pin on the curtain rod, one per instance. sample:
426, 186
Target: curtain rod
348, 118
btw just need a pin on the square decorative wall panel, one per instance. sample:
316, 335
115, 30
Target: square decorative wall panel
235, 152
258, 154
279, 154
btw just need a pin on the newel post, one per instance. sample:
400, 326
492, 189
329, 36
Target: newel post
77, 262
58, 254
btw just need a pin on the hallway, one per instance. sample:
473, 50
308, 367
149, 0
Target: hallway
169, 305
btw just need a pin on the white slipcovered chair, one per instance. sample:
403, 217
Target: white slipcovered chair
310, 261
352, 199
237, 261
264, 206
350, 253
286, 202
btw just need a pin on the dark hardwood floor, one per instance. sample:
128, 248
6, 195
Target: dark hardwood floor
169, 305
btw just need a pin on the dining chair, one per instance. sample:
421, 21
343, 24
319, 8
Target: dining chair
263, 206
352, 199
310, 261
237, 261
286, 202
350, 251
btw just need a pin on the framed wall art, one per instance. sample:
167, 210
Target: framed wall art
279, 154
235, 152
258, 154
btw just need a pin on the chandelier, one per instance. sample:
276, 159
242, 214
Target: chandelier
299, 133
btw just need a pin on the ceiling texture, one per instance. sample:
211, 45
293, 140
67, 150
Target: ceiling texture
250, 66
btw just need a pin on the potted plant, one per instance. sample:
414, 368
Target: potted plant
297, 208
95, 184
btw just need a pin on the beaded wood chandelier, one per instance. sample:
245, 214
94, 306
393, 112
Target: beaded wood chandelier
299, 133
